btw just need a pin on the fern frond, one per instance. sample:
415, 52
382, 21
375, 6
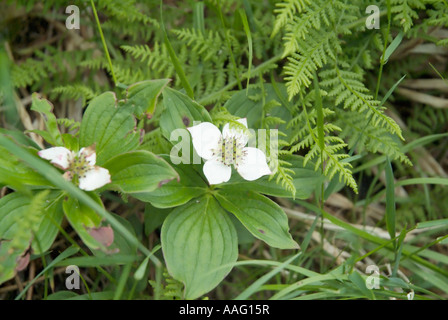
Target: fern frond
94, 63
128, 75
225, 5
155, 142
299, 27
126, 10
427, 120
221, 116
356, 130
28, 72
330, 158
281, 169
284, 176
315, 51
439, 17
334, 162
156, 58
286, 10
347, 89
75, 92
69, 124
172, 290
209, 45
406, 11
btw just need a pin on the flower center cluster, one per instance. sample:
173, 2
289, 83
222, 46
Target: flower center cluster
230, 151
79, 165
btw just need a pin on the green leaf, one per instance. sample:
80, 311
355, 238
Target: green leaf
176, 192
102, 261
45, 135
260, 215
244, 236
102, 295
154, 218
122, 243
142, 96
199, 244
432, 224
12, 207
179, 112
48, 227
360, 284
390, 199
139, 171
392, 47
70, 142
14, 173
20, 137
305, 180
45, 108
109, 126
62, 295
20, 216
141, 270
82, 217
250, 105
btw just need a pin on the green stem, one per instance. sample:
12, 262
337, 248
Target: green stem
229, 47
245, 75
104, 42
174, 59
384, 51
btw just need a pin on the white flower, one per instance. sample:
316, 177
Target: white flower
221, 151
81, 164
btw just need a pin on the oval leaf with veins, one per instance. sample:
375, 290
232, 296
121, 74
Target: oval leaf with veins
139, 171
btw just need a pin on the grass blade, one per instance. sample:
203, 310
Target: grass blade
390, 199
103, 40
320, 114
249, 41
176, 63
67, 253
257, 284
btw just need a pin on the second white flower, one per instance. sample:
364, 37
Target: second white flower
224, 150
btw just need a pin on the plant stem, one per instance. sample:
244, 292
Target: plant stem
245, 75
104, 42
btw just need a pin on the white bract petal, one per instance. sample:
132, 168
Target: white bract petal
228, 132
205, 138
94, 178
59, 156
216, 172
254, 164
